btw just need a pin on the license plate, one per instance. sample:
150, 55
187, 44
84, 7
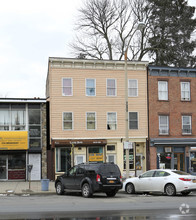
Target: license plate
194, 181
111, 181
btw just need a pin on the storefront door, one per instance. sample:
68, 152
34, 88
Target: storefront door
179, 163
3, 167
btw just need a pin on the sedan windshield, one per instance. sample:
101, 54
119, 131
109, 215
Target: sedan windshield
180, 172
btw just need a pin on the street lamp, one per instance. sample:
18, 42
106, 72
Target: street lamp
140, 26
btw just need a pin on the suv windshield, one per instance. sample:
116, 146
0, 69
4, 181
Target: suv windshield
180, 172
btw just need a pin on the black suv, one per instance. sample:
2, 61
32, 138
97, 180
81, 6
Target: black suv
90, 178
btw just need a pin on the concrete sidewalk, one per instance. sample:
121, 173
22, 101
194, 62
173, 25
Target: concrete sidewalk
33, 188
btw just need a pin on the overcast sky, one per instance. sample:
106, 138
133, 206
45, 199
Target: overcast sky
30, 32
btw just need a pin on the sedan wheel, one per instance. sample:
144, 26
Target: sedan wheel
130, 189
86, 191
170, 190
59, 189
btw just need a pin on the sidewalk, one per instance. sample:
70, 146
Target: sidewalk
20, 188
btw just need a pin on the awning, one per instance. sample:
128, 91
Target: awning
173, 141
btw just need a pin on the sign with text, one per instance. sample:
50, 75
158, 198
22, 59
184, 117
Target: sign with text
128, 145
95, 157
13, 140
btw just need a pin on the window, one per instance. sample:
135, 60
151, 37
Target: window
147, 174
131, 159
67, 87
18, 117
133, 120
90, 87
185, 91
161, 174
90, 121
110, 147
186, 124
163, 124
4, 117
163, 90
132, 88
63, 159
111, 87
111, 158
67, 121
111, 121
34, 126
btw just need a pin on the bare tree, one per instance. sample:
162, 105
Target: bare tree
106, 28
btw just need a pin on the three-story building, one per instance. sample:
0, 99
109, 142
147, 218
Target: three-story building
87, 113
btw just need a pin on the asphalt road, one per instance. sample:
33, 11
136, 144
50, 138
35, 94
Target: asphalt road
72, 205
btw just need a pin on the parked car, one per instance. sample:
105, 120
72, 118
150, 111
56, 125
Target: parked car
90, 178
165, 181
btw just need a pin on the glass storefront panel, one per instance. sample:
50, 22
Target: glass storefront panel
63, 159
3, 167
95, 154
165, 160
193, 161
131, 159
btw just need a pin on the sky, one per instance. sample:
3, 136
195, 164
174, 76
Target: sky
31, 31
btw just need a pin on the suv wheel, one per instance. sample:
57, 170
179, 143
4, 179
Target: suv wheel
111, 193
86, 191
59, 188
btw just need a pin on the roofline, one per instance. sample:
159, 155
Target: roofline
22, 100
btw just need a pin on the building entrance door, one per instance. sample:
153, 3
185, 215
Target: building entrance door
3, 167
179, 163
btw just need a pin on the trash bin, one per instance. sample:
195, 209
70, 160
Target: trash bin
45, 184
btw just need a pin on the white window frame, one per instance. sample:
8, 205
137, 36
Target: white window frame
163, 94
137, 121
108, 155
115, 88
184, 92
72, 121
136, 88
112, 123
68, 87
79, 155
95, 121
190, 125
164, 131
93, 87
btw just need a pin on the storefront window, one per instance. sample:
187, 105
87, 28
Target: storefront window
193, 161
63, 159
131, 159
95, 154
165, 161
17, 161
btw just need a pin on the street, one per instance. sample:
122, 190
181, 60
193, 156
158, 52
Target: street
73, 205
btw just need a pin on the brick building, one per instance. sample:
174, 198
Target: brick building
172, 118
87, 113
22, 139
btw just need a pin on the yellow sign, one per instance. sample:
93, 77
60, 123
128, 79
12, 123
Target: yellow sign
95, 157
13, 140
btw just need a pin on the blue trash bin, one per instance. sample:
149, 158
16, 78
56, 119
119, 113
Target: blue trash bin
45, 184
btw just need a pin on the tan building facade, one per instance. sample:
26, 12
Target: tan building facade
87, 113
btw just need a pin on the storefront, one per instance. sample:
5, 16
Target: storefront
193, 160
174, 154
72, 152
13, 155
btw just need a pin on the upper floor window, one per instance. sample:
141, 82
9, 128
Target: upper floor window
133, 120
186, 124
111, 87
163, 90
4, 117
164, 124
132, 88
111, 121
18, 117
90, 87
91, 120
67, 120
185, 91
67, 87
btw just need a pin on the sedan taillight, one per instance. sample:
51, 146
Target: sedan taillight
98, 178
185, 179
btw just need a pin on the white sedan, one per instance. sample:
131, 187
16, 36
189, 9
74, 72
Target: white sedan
165, 181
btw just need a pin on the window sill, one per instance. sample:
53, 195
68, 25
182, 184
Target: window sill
162, 100
187, 134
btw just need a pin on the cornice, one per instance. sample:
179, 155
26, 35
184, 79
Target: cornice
65, 63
